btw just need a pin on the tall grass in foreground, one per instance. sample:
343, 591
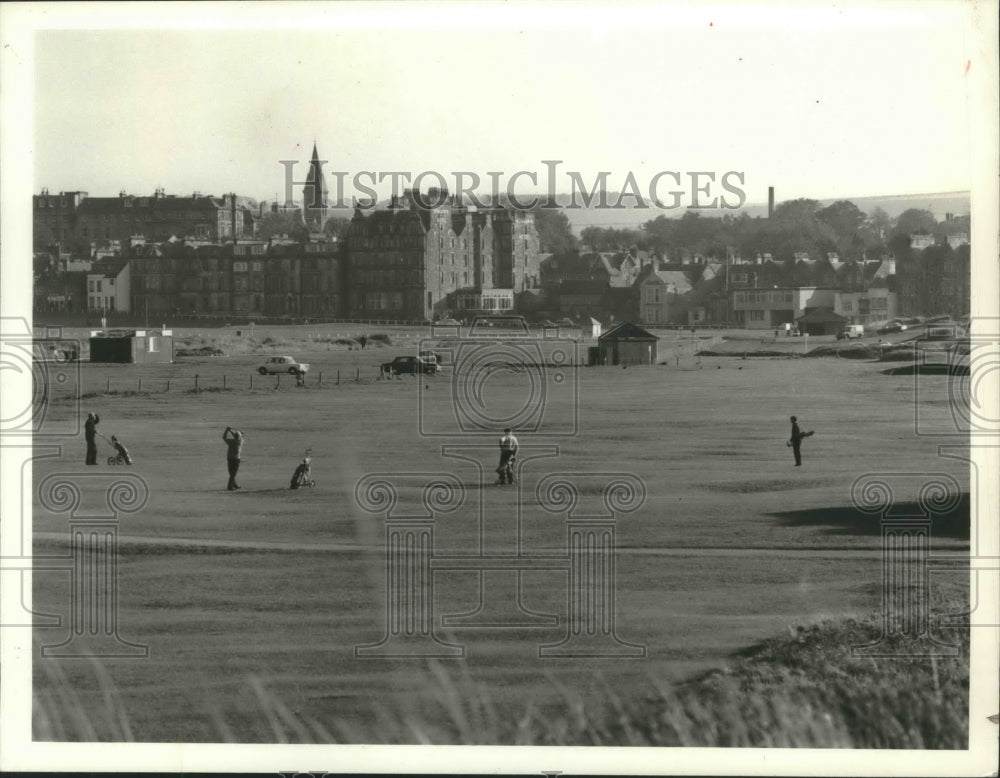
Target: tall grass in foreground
801, 689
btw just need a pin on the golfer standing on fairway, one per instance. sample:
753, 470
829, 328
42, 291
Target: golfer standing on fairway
796, 441
90, 433
508, 450
234, 440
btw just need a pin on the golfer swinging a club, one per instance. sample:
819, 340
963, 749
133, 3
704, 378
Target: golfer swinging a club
508, 451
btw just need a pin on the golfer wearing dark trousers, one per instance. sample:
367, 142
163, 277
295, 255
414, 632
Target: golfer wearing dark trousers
234, 440
796, 441
90, 433
508, 451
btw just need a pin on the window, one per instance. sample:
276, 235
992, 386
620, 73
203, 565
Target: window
98, 285
239, 267
376, 301
756, 316
257, 267
90, 285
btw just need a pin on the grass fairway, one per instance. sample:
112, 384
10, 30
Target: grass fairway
252, 602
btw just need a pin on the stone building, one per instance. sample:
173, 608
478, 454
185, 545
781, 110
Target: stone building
413, 262
243, 278
75, 217
54, 216
935, 280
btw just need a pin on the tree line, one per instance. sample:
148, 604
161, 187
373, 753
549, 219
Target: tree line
796, 225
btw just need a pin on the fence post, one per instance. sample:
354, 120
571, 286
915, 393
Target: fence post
196, 382
109, 384
251, 380
168, 384
338, 378
358, 376
320, 382
223, 380
140, 385
278, 382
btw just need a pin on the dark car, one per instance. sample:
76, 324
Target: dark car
890, 328
410, 365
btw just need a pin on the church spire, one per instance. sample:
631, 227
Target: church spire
314, 193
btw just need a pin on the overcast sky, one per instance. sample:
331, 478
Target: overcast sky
822, 103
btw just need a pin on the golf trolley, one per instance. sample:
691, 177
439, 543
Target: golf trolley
121, 455
303, 473
505, 474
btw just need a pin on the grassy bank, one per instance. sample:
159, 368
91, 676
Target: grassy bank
803, 688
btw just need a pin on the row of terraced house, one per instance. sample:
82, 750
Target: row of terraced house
402, 262
760, 293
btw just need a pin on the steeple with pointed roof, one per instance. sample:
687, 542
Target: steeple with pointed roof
314, 194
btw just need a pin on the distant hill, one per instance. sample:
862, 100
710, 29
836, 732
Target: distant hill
939, 204
629, 217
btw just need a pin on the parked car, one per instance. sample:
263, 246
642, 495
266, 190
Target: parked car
410, 365
851, 331
891, 327
283, 365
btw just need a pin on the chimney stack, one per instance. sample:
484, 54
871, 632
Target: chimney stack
770, 202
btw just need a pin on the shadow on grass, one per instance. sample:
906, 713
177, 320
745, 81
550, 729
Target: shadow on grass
848, 520
929, 369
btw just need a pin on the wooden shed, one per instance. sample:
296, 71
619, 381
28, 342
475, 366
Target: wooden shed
626, 344
139, 347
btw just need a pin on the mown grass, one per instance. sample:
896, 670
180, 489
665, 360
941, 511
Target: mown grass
804, 689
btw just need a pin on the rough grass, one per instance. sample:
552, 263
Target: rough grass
803, 689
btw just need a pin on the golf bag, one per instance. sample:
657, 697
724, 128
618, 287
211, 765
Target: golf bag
303, 473
121, 455
505, 472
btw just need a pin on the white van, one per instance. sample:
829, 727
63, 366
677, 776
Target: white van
850, 331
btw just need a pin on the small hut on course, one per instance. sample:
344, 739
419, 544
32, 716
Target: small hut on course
626, 344
821, 321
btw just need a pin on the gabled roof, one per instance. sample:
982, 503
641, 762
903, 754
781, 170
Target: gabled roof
675, 278
820, 316
109, 267
627, 331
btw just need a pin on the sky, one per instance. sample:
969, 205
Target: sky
829, 101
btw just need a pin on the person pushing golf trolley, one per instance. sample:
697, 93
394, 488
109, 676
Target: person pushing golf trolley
508, 457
